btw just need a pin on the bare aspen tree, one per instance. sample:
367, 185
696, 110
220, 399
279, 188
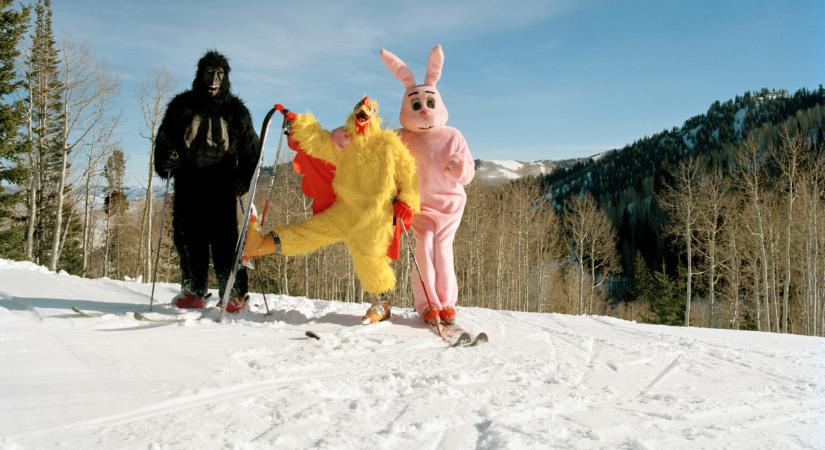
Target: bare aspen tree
681, 201
732, 260
711, 221
575, 219
152, 98
601, 253
810, 195
592, 241
773, 224
817, 183
749, 162
98, 148
789, 155
88, 92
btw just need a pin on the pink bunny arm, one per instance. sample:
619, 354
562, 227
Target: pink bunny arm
461, 164
340, 137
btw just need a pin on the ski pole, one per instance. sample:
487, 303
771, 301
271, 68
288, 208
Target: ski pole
269, 193
160, 238
263, 218
288, 118
418, 269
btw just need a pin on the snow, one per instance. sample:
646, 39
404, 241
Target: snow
689, 138
599, 156
255, 381
739, 121
511, 165
507, 170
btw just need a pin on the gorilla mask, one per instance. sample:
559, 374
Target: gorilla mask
213, 77
212, 80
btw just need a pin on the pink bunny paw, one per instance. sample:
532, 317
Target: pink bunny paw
340, 137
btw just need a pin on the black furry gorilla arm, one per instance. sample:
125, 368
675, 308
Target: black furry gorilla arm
167, 155
247, 150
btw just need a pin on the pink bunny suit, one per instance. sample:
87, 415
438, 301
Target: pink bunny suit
444, 165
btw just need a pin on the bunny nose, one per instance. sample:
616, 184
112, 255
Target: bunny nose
424, 113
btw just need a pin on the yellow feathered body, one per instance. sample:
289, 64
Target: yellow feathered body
372, 171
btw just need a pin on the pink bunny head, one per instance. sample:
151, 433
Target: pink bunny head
422, 109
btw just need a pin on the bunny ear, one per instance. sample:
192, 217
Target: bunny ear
434, 63
398, 68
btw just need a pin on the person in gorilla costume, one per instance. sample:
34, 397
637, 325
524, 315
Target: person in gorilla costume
207, 143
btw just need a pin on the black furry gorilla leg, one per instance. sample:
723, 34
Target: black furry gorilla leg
222, 239
192, 244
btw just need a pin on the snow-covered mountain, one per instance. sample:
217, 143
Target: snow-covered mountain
134, 192
507, 170
255, 381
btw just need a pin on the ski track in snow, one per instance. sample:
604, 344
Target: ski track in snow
255, 381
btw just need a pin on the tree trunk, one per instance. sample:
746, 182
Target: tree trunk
58, 224
87, 214
34, 178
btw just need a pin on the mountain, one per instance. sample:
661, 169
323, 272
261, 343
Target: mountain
723, 124
624, 181
256, 381
506, 170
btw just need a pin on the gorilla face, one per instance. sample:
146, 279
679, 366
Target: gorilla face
212, 79
211, 83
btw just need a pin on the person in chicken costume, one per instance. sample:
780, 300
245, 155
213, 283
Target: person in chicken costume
360, 191
445, 165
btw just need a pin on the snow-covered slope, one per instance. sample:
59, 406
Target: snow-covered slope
255, 381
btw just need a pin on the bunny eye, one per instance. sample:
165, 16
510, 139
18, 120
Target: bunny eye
431, 103
416, 105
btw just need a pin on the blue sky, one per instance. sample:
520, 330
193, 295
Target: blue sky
522, 80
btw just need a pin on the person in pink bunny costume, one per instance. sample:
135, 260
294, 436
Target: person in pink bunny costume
444, 166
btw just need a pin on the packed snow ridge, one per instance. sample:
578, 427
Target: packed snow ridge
256, 381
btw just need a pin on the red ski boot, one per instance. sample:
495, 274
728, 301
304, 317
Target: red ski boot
430, 315
447, 315
236, 303
189, 300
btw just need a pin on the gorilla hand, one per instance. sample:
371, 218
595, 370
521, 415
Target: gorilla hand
167, 165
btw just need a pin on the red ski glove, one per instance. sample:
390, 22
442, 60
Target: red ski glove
403, 212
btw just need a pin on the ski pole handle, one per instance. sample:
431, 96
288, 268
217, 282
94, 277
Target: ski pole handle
288, 115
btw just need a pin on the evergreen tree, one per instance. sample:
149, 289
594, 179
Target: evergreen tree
44, 107
115, 206
13, 24
667, 300
641, 288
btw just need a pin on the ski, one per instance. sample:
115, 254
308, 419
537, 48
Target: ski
454, 335
457, 336
85, 313
480, 338
167, 318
